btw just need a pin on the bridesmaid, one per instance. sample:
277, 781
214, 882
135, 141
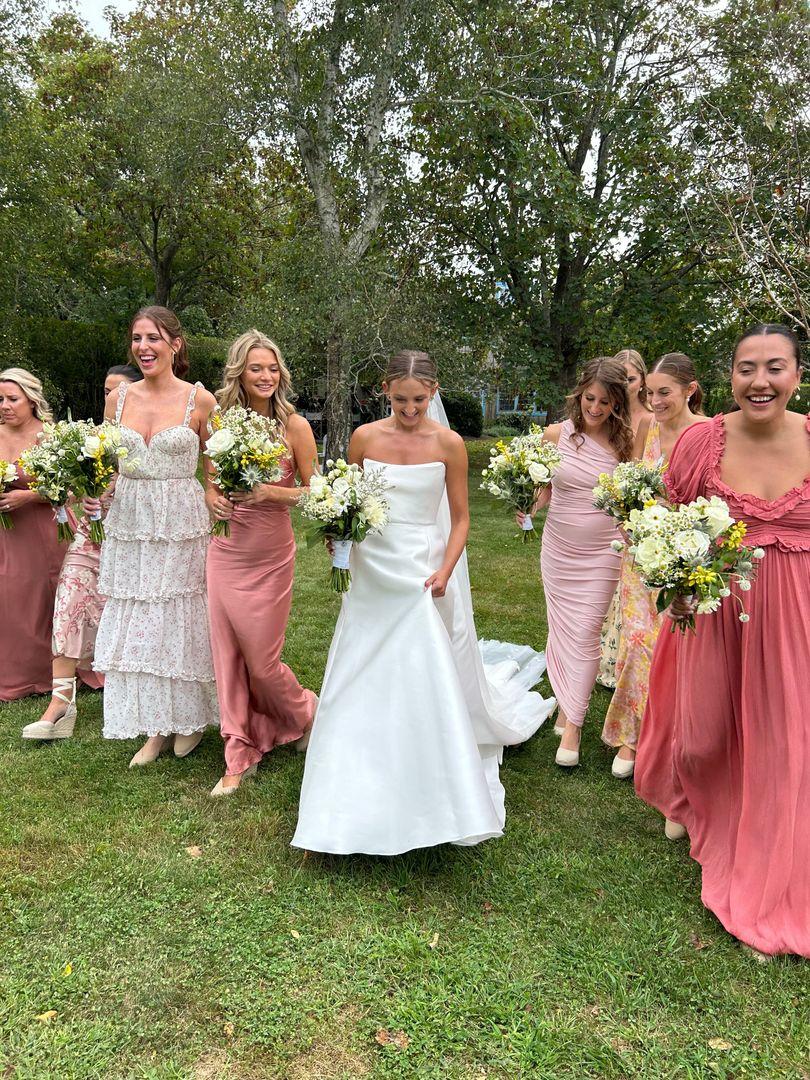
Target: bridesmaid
250, 575
724, 750
676, 397
579, 567
639, 414
76, 615
30, 557
153, 644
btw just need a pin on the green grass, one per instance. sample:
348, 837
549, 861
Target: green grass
576, 946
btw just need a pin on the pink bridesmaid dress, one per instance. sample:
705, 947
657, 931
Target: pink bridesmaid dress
78, 605
580, 571
250, 580
725, 742
30, 561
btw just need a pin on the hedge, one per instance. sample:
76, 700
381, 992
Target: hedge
463, 412
72, 359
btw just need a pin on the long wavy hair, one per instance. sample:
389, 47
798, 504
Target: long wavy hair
232, 392
32, 388
169, 328
610, 372
631, 356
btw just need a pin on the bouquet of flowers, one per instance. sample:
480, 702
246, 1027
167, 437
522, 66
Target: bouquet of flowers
245, 450
93, 456
47, 465
347, 504
516, 470
8, 474
632, 486
694, 550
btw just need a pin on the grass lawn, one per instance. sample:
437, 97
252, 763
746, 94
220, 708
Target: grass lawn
178, 937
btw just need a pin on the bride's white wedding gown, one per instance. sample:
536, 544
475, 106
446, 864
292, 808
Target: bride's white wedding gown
409, 731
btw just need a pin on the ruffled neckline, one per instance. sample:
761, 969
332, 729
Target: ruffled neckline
754, 505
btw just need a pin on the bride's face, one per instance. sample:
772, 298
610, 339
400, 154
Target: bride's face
409, 400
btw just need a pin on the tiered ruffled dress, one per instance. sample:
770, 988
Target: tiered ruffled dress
153, 644
725, 741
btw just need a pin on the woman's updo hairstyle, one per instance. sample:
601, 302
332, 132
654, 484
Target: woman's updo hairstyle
634, 358
169, 328
32, 388
412, 364
761, 329
610, 372
129, 371
680, 368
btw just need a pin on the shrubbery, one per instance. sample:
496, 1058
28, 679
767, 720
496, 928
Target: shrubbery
72, 359
463, 412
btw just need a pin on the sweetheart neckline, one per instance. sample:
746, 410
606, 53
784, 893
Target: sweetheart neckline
154, 435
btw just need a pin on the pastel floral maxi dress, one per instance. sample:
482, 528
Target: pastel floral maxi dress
640, 626
153, 644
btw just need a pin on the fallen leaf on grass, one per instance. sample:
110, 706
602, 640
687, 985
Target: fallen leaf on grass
46, 1017
698, 942
434, 941
392, 1038
295, 934
487, 906
720, 1044
228, 1030
194, 852
67, 970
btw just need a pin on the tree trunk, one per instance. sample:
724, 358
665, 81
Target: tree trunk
162, 272
338, 406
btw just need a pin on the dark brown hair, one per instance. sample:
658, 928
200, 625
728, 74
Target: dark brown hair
169, 328
611, 374
682, 370
411, 364
761, 329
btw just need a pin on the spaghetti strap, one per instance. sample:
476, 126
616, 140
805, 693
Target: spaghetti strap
190, 406
122, 393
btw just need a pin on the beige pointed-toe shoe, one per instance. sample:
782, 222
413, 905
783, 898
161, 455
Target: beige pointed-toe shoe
150, 751
184, 744
219, 790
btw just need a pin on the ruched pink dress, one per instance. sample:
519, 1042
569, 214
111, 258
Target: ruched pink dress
725, 742
30, 560
250, 581
580, 571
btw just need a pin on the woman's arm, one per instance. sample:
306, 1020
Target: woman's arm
640, 439
457, 496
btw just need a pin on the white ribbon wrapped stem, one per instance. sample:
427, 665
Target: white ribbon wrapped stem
528, 524
96, 515
342, 549
61, 515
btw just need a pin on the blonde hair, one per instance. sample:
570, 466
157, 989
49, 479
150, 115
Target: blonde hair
233, 392
635, 359
609, 371
32, 388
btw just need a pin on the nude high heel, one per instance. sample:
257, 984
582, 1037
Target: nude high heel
673, 830
147, 754
63, 727
219, 789
184, 744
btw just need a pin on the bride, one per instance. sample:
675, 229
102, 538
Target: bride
409, 733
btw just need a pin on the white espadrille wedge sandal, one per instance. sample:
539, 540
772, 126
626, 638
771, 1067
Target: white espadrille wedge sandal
62, 728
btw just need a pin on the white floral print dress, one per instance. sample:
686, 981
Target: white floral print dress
153, 645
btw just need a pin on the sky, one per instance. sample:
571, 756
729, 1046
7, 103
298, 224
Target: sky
92, 11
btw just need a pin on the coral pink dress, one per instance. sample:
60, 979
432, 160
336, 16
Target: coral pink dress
250, 581
30, 560
580, 571
725, 742
640, 625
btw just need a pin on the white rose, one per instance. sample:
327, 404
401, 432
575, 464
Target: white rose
10, 474
112, 435
317, 486
717, 517
220, 443
539, 473
92, 446
690, 543
340, 486
648, 552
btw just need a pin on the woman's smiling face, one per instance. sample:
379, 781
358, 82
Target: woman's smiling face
152, 352
764, 375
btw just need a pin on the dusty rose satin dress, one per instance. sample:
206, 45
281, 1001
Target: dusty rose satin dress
250, 581
725, 742
580, 571
30, 561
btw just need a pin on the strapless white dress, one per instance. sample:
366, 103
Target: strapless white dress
409, 732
